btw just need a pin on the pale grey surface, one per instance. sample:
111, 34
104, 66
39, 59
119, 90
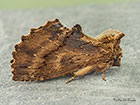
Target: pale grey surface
123, 82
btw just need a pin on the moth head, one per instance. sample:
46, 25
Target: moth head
110, 39
115, 41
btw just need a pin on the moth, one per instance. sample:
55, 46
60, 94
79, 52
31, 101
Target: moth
53, 50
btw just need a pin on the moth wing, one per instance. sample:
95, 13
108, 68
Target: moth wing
51, 51
28, 56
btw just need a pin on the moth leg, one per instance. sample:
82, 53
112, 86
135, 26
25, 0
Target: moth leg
103, 75
104, 71
80, 72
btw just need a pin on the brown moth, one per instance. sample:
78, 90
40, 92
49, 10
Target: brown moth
53, 50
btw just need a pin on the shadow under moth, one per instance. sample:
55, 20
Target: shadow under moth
53, 50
